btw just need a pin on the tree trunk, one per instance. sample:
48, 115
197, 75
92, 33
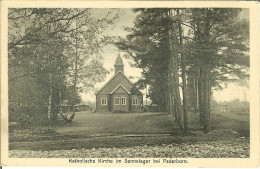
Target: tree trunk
200, 86
49, 101
196, 92
75, 78
184, 83
175, 94
170, 94
205, 87
60, 102
205, 99
174, 74
184, 93
165, 98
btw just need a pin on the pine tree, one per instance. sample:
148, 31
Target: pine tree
207, 45
219, 48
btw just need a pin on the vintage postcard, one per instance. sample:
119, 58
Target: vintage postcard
130, 83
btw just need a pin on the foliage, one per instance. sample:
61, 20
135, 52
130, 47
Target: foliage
42, 45
209, 44
146, 46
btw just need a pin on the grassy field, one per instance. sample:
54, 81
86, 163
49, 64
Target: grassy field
126, 123
95, 130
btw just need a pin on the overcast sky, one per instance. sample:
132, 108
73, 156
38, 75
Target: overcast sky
110, 54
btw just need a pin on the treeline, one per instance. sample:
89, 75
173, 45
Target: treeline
236, 103
184, 53
53, 54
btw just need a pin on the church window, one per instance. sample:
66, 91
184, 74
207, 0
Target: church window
117, 100
134, 101
103, 101
123, 101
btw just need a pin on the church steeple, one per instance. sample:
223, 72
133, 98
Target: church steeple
119, 65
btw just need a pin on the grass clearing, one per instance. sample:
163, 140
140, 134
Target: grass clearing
125, 123
96, 130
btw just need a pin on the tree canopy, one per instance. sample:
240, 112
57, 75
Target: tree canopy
56, 52
205, 46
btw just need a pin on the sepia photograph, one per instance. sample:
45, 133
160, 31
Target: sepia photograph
141, 85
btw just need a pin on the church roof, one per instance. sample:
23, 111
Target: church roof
125, 84
112, 79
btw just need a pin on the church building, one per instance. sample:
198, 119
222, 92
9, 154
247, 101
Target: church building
119, 94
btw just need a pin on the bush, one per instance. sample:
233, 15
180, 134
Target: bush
27, 116
120, 111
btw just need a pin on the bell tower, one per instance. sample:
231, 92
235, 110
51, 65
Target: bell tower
119, 64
